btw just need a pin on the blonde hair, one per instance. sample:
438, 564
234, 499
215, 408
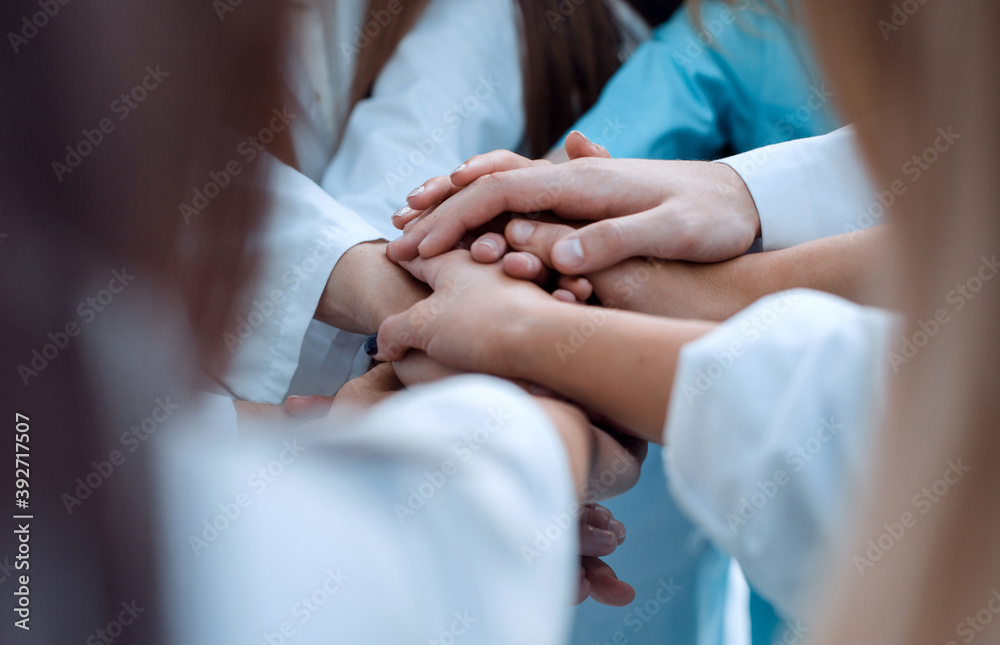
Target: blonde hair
920, 82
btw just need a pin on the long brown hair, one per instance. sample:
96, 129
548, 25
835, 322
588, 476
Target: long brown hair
114, 113
921, 82
567, 58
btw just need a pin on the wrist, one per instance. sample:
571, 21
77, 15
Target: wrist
340, 305
365, 288
535, 345
744, 205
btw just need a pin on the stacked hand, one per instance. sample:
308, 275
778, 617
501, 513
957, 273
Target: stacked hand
611, 216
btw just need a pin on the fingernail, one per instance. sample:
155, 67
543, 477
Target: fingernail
371, 344
585, 137
490, 244
406, 210
416, 191
606, 537
459, 169
568, 252
520, 231
617, 528
603, 517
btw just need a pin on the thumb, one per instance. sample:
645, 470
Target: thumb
602, 244
578, 145
399, 333
308, 407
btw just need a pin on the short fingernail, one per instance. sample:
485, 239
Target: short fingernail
406, 210
617, 528
416, 191
603, 515
606, 537
490, 244
460, 168
520, 231
585, 137
371, 344
568, 252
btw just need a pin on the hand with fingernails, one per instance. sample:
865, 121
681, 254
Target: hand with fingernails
677, 210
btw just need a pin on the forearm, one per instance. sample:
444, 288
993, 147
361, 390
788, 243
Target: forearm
617, 363
364, 288
844, 265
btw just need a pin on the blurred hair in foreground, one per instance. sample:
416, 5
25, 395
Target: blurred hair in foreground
902, 76
118, 207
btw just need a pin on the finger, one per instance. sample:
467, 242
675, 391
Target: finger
607, 242
417, 367
605, 587
618, 529
404, 216
525, 266
427, 270
438, 189
406, 246
541, 390
434, 190
397, 335
489, 163
308, 407
578, 145
489, 248
400, 332
566, 296
596, 515
600, 517
580, 287
536, 238
595, 541
526, 190
583, 587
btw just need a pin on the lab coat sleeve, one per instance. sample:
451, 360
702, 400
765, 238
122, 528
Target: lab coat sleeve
451, 90
443, 515
305, 234
809, 189
679, 97
768, 429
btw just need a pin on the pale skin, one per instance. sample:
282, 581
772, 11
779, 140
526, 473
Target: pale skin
624, 371
693, 211
687, 221
680, 289
841, 265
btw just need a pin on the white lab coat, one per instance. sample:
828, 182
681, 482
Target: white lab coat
809, 189
443, 515
451, 90
771, 417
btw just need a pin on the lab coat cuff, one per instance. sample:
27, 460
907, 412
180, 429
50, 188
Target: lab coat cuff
809, 189
307, 234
